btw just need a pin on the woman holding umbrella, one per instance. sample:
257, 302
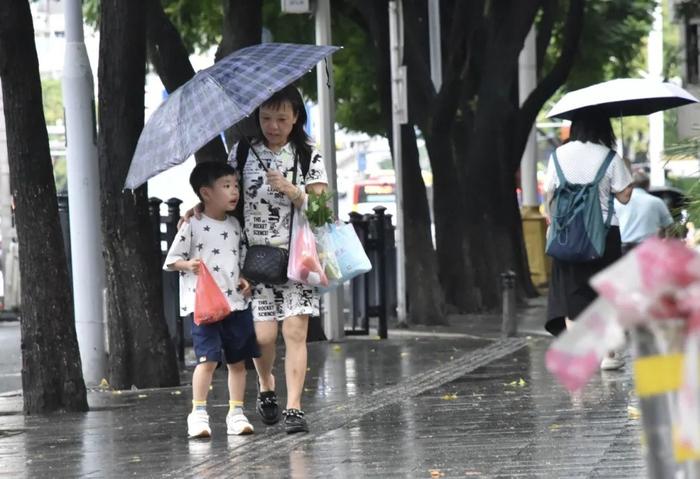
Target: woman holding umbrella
269, 196
580, 159
591, 140
270, 192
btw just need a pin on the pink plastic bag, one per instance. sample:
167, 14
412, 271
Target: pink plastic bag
304, 265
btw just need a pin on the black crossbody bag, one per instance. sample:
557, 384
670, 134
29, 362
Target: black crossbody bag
264, 263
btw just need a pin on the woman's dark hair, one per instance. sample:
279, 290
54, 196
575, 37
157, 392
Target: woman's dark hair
298, 137
594, 127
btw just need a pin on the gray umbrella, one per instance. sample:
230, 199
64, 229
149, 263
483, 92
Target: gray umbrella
214, 100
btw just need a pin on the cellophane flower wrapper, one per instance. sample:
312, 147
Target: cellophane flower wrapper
653, 282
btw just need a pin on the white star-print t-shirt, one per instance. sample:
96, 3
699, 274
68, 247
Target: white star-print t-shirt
220, 245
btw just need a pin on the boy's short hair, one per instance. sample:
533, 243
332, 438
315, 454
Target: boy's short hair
207, 172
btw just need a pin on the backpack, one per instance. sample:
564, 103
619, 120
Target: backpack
577, 232
242, 151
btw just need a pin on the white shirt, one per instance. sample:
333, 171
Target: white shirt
268, 212
642, 217
220, 245
580, 162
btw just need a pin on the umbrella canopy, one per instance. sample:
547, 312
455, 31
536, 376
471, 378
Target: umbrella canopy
215, 99
622, 97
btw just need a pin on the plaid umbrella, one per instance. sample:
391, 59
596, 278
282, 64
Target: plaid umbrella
214, 100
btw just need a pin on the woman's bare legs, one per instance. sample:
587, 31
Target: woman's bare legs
266, 333
294, 331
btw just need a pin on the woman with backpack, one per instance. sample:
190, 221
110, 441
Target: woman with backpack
583, 177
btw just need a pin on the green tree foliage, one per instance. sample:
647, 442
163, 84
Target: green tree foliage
612, 44
52, 97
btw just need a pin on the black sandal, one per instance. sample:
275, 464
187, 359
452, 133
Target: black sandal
294, 421
267, 407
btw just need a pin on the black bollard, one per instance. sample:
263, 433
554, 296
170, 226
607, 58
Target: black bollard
509, 325
381, 247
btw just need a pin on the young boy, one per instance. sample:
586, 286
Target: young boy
216, 239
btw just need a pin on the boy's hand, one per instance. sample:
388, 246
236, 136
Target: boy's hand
193, 265
244, 287
196, 212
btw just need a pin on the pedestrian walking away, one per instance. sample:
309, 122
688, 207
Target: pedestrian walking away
581, 161
216, 240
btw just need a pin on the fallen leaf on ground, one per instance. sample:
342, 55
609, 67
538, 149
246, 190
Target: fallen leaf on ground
436, 473
554, 427
103, 384
450, 397
337, 348
633, 412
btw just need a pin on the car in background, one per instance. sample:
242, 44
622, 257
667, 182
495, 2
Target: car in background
370, 193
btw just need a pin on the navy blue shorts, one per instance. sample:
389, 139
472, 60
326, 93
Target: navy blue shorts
234, 336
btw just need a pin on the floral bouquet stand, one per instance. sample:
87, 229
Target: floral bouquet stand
653, 293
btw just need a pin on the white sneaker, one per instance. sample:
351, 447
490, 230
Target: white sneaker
198, 424
611, 362
238, 425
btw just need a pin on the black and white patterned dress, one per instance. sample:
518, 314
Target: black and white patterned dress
268, 221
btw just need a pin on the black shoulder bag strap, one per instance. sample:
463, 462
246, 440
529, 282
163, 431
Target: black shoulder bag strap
294, 182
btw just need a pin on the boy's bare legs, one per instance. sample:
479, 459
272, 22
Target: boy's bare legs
198, 420
236, 422
294, 330
236, 381
201, 380
266, 333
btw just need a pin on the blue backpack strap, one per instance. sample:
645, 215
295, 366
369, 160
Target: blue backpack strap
557, 167
604, 167
599, 177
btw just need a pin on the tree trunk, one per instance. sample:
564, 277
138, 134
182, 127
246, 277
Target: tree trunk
242, 26
51, 369
170, 59
141, 351
426, 301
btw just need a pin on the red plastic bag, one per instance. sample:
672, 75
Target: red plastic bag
210, 304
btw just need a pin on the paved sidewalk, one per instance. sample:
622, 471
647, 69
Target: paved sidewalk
427, 405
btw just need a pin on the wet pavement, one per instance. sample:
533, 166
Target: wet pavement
459, 403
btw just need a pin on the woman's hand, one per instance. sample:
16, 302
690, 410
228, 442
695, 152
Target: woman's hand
279, 183
196, 212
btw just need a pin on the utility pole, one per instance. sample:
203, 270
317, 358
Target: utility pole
334, 317
656, 120
399, 114
83, 197
435, 45
527, 76
534, 224
6, 229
